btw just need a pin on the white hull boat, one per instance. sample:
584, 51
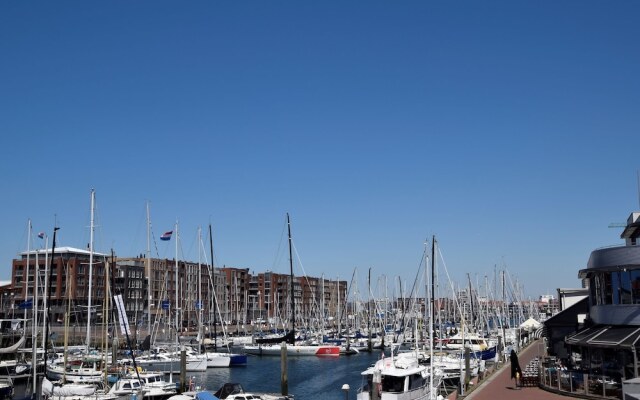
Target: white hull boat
293, 350
401, 378
217, 360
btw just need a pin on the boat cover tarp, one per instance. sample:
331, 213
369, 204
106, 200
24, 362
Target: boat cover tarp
289, 338
180, 397
49, 389
486, 354
206, 396
228, 389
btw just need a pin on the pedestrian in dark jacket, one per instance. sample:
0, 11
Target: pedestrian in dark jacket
516, 372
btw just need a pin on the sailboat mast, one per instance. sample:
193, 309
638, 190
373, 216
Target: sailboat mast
504, 312
26, 274
472, 311
215, 298
322, 313
177, 292
91, 228
48, 290
433, 313
293, 301
369, 345
433, 280
339, 308
34, 326
487, 296
46, 285
199, 299
401, 306
148, 271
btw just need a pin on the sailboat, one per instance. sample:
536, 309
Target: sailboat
14, 331
66, 390
273, 346
216, 358
167, 358
87, 368
195, 362
212, 360
13, 338
402, 376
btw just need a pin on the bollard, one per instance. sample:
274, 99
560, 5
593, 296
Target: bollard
346, 388
284, 379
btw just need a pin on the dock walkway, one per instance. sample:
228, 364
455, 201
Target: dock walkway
500, 385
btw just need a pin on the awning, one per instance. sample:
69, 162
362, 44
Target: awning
530, 324
605, 336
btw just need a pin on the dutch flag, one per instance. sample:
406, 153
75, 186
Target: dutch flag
166, 236
41, 235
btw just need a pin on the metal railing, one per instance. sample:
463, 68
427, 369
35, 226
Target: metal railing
579, 382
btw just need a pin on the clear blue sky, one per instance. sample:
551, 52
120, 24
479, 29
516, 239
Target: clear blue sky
507, 129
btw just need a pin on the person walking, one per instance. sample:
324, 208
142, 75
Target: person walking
516, 371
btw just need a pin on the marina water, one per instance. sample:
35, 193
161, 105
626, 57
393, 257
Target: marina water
310, 378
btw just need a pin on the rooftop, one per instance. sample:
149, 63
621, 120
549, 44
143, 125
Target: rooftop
62, 250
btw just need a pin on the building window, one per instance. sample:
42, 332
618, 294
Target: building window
597, 288
623, 283
607, 288
618, 287
634, 277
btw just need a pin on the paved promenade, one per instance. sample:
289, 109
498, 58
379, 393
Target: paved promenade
501, 386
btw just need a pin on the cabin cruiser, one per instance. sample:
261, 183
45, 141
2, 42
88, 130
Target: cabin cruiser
85, 369
399, 377
472, 341
153, 380
168, 362
130, 386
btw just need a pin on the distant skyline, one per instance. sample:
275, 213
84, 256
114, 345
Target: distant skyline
506, 129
